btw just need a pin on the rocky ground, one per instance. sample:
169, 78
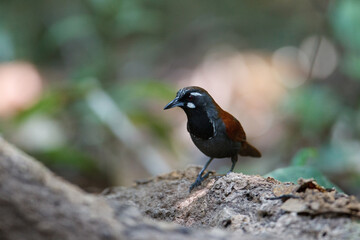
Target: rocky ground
243, 204
36, 204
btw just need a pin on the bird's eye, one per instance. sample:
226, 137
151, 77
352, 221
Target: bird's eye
188, 97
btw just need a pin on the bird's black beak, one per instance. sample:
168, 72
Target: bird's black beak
174, 103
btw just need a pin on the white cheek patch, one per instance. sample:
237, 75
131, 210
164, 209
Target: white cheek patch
190, 105
196, 94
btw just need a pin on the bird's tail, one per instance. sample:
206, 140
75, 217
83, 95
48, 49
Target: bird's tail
249, 150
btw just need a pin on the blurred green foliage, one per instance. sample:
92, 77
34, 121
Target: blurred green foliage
314, 108
345, 19
300, 168
302, 157
293, 173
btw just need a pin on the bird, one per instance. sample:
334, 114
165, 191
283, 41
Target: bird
215, 132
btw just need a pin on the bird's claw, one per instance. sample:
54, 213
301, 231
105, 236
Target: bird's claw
198, 181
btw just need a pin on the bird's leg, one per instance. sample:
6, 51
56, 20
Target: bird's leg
205, 167
233, 160
200, 176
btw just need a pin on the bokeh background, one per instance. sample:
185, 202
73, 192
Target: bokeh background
83, 85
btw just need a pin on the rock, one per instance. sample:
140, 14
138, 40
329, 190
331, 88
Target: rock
36, 204
242, 203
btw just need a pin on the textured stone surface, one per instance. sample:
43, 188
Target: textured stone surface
35, 204
238, 203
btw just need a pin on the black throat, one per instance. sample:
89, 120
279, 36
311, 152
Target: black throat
199, 123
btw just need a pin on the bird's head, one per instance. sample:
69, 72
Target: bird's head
190, 98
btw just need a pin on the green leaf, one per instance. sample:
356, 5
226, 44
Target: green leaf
133, 17
72, 27
293, 173
7, 49
68, 157
345, 19
141, 92
313, 108
50, 103
302, 157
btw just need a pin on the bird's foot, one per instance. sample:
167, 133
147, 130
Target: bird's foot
198, 181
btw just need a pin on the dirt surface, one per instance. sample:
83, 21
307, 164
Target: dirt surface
36, 204
240, 203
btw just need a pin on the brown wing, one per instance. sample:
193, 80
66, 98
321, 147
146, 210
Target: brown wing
236, 133
233, 127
